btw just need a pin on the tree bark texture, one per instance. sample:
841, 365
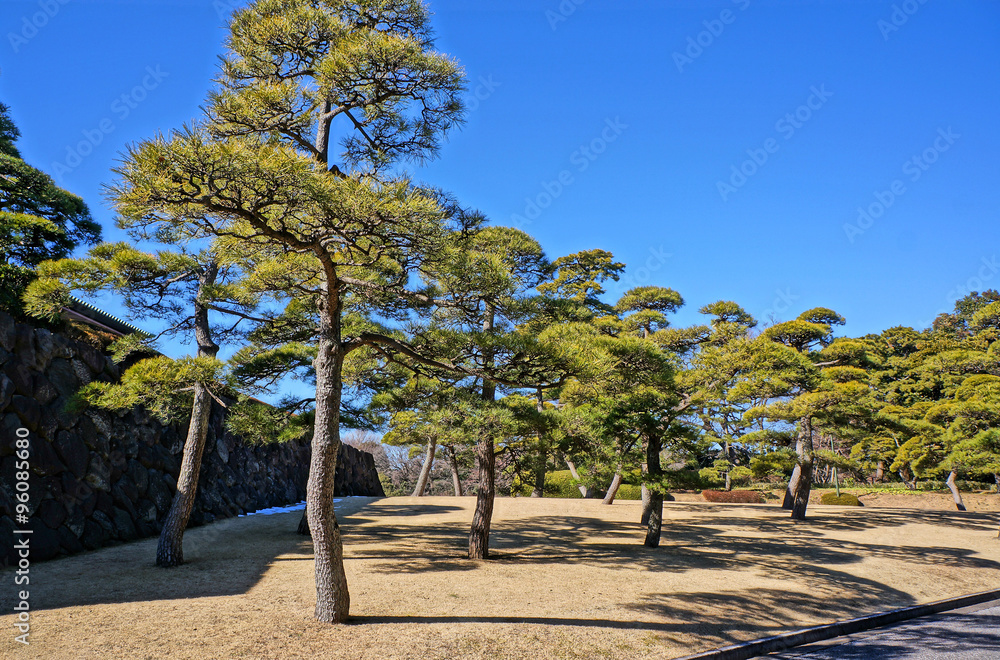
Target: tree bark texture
479, 535
456, 479
584, 490
955, 494
729, 479
654, 469
646, 501
332, 597
616, 482
425, 471
804, 449
793, 483
170, 547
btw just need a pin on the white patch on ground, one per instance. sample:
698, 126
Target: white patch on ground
282, 509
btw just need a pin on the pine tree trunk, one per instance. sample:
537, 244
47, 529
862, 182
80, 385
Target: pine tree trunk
479, 537
332, 597
793, 483
655, 470
539, 488
647, 502
584, 490
616, 482
170, 547
425, 471
880, 472
955, 494
996, 478
729, 480
303, 528
456, 479
486, 459
804, 449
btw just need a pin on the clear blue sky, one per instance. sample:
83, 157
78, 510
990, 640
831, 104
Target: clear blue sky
666, 98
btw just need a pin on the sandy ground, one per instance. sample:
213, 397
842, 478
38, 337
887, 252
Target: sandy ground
570, 579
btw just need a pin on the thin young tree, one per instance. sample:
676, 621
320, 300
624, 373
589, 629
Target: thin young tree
180, 289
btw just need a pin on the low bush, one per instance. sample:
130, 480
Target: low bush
710, 476
734, 496
683, 480
557, 484
629, 492
845, 499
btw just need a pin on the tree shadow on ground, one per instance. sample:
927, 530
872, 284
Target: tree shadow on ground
696, 542
224, 558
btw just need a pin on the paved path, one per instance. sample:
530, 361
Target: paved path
972, 633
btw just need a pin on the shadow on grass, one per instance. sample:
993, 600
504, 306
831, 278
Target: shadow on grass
224, 558
230, 557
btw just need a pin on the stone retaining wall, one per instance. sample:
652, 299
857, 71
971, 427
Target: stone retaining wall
98, 477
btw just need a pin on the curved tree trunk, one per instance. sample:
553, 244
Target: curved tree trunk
456, 479
425, 471
333, 600
584, 490
955, 494
793, 483
655, 517
616, 482
804, 448
170, 547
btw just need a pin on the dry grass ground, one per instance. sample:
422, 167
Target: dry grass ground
571, 579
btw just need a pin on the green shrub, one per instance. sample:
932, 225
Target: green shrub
682, 480
710, 477
845, 499
629, 492
734, 496
557, 484
741, 475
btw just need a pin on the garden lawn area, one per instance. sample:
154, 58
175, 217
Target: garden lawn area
570, 579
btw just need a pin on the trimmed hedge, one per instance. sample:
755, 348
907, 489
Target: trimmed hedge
734, 496
846, 499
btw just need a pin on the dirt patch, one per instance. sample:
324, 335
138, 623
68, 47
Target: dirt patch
571, 579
